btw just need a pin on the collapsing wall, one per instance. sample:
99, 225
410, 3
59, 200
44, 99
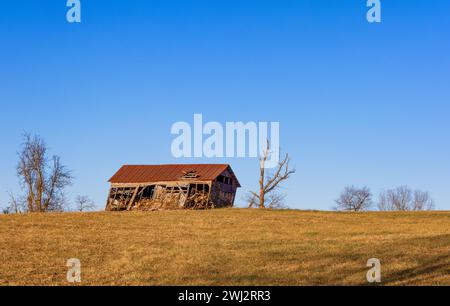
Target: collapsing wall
169, 195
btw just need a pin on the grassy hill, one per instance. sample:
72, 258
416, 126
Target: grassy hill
225, 247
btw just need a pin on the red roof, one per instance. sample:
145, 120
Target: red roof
130, 174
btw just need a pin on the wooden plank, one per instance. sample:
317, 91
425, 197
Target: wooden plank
132, 198
209, 194
108, 201
184, 194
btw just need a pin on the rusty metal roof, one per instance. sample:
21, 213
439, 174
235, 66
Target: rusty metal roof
130, 174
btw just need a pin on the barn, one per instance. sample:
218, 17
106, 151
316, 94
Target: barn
176, 186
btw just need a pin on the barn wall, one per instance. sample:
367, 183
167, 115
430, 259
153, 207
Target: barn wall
223, 195
163, 195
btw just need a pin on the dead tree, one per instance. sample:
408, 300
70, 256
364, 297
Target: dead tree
422, 201
84, 203
15, 205
42, 180
404, 199
354, 199
6, 210
269, 184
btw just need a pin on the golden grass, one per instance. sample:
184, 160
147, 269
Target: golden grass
225, 247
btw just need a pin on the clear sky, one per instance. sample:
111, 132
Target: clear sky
358, 103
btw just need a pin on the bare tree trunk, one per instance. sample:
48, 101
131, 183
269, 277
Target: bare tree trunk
262, 191
261, 198
270, 183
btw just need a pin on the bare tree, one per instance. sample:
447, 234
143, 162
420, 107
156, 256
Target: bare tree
274, 200
354, 199
404, 199
15, 205
383, 202
422, 201
84, 203
400, 198
42, 180
269, 184
6, 210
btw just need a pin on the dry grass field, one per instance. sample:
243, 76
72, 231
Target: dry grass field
225, 247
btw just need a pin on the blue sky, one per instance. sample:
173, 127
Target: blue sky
358, 103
